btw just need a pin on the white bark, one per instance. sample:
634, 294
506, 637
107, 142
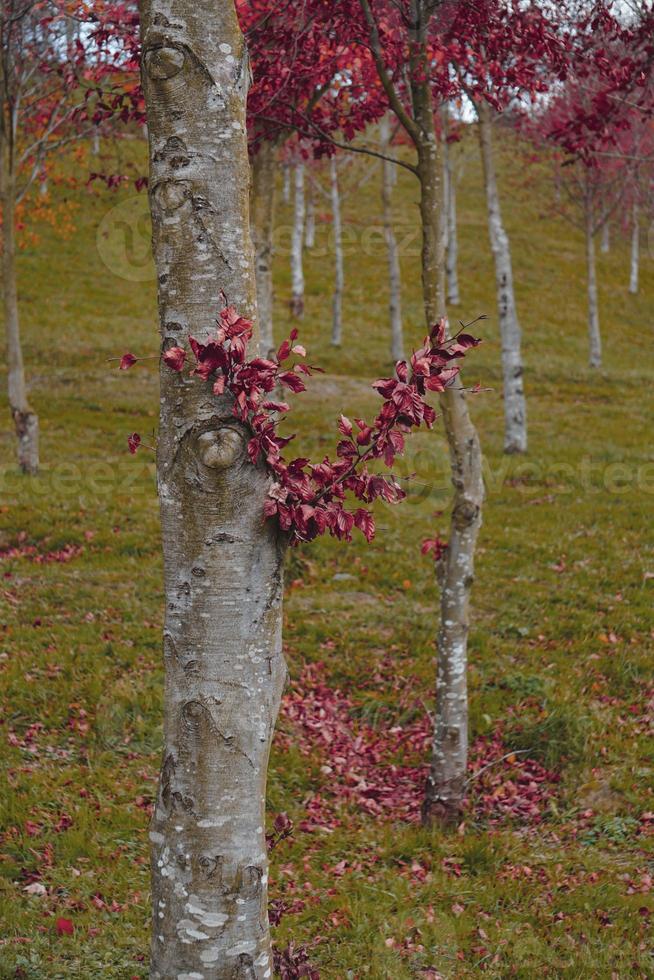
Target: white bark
394, 273
606, 237
515, 408
635, 251
286, 182
337, 299
262, 214
222, 562
451, 237
297, 267
594, 337
310, 220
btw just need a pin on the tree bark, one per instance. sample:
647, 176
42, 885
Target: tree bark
297, 268
222, 562
635, 251
606, 237
594, 336
515, 408
394, 273
286, 182
25, 418
452, 237
310, 220
262, 213
446, 781
337, 299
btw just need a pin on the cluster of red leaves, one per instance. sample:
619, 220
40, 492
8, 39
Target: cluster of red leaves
292, 963
62, 555
309, 499
360, 771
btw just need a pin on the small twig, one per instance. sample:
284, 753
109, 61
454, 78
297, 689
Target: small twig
495, 762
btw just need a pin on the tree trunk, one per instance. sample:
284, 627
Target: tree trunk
606, 237
222, 562
594, 337
337, 299
451, 237
297, 269
635, 251
446, 781
394, 273
25, 418
310, 221
286, 182
515, 409
262, 207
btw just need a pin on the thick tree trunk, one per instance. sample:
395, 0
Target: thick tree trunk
515, 408
310, 220
446, 781
594, 336
297, 267
451, 236
25, 418
222, 562
606, 237
394, 273
635, 251
337, 299
262, 214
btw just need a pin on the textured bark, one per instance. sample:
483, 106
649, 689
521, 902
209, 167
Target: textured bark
394, 273
286, 182
446, 781
25, 418
222, 562
515, 408
337, 298
451, 236
635, 251
606, 237
262, 215
297, 267
594, 336
310, 220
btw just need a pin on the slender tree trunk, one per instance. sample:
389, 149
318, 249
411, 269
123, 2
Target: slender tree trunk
310, 221
337, 299
222, 562
286, 182
515, 408
262, 212
635, 251
446, 781
451, 237
297, 268
606, 237
394, 273
594, 337
25, 418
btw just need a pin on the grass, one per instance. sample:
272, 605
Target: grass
560, 648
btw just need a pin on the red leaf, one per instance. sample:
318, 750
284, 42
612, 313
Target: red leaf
126, 361
174, 357
345, 425
64, 927
133, 442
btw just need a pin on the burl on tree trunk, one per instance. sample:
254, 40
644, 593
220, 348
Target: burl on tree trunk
222, 562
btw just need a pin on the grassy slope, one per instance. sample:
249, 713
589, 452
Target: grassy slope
562, 617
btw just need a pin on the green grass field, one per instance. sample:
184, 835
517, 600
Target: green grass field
560, 650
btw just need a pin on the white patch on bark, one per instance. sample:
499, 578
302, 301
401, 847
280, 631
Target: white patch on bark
297, 266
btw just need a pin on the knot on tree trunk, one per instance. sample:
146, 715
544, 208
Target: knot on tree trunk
465, 513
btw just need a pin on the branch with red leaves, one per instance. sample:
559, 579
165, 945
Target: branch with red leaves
309, 499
